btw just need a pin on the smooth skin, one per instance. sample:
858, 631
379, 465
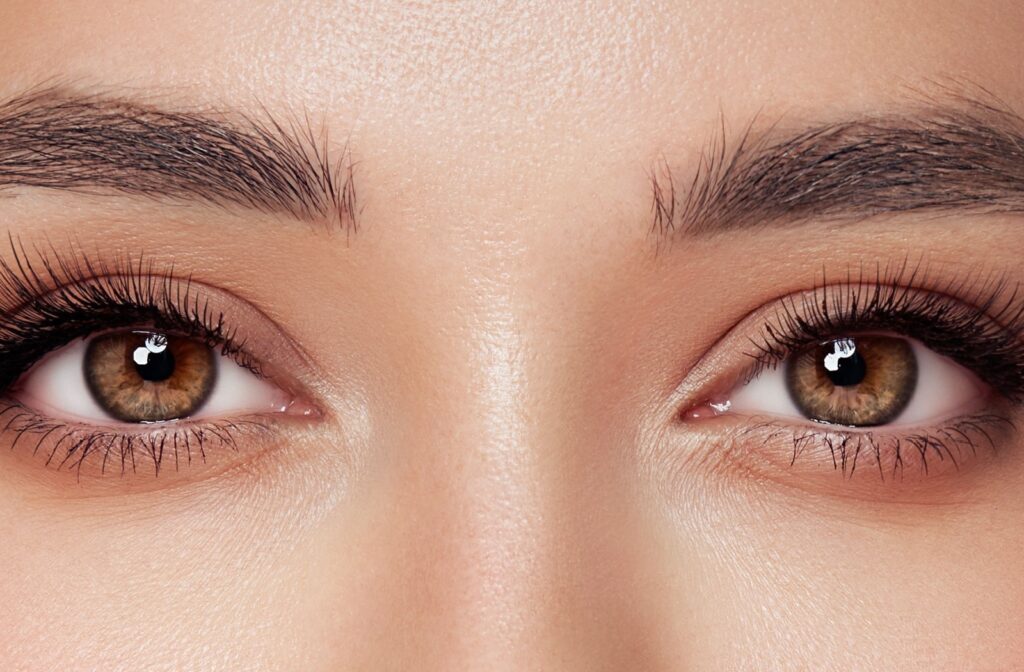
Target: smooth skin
499, 480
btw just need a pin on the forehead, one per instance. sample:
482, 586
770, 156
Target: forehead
512, 65
517, 98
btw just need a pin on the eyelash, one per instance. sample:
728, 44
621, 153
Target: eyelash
79, 443
984, 336
982, 332
890, 453
60, 298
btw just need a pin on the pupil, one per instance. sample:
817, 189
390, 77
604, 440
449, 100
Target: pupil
843, 365
154, 361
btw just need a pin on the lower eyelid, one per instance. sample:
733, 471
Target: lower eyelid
141, 451
857, 463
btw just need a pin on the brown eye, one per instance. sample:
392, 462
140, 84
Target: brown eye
859, 381
149, 376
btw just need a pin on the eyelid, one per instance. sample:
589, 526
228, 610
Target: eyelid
53, 441
759, 333
878, 465
971, 331
74, 460
256, 341
798, 453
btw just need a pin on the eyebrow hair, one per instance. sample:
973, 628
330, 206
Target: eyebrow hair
56, 139
967, 156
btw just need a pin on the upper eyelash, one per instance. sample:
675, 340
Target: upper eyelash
49, 303
982, 332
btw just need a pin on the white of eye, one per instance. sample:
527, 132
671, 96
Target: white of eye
943, 389
56, 386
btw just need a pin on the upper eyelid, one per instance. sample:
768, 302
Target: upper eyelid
719, 369
947, 312
154, 287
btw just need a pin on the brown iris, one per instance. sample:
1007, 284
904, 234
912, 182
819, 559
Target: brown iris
148, 376
859, 381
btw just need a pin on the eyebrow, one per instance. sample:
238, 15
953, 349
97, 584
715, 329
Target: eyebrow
966, 156
55, 139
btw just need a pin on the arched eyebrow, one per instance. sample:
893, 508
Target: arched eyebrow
966, 157
97, 144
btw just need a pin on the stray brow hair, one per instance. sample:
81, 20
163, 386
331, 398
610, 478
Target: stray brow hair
967, 155
57, 139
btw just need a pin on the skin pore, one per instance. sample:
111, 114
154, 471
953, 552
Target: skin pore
500, 326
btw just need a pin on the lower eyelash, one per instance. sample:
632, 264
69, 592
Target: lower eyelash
889, 454
172, 445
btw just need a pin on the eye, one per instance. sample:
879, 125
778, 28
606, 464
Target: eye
862, 381
144, 376
874, 376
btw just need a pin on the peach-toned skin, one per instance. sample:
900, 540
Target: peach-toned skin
498, 481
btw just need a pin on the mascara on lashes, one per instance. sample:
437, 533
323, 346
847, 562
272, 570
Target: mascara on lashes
984, 331
977, 323
60, 297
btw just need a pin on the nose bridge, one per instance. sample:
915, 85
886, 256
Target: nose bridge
497, 523
498, 559
519, 543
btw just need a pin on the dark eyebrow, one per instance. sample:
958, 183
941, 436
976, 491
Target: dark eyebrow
61, 140
965, 156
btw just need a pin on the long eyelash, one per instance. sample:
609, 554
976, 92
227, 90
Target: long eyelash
888, 455
69, 446
986, 334
49, 303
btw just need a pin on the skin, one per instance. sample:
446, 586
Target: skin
498, 480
